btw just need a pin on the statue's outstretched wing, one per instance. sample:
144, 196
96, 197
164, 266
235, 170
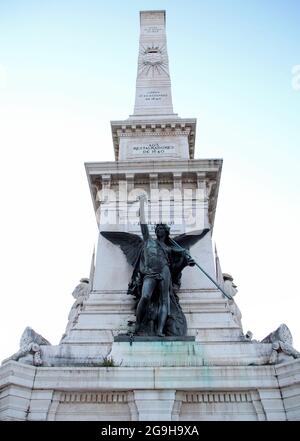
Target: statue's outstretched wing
188, 240
130, 244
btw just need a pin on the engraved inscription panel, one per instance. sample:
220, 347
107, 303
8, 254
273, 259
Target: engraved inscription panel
153, 149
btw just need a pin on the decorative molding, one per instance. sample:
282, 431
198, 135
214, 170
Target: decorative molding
172, 127
217, 397
90, 397
153, 132
153, 60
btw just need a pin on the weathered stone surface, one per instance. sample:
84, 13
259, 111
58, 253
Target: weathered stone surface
124, 393
187, 353
137, 338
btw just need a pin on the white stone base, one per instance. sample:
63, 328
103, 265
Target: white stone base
158, 353
150, 393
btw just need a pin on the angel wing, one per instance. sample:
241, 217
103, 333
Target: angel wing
188, 240
130, 244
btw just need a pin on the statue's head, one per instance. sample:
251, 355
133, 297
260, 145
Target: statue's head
84, 280
228, 282
162, 231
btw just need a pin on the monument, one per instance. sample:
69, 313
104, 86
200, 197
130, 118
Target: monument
155, 332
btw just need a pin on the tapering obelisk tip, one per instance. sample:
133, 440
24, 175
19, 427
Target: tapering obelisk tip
153, 85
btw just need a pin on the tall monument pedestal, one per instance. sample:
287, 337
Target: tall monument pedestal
206, 368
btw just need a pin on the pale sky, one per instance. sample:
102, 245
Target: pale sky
68, 67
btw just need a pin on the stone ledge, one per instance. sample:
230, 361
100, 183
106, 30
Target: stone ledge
70, 379
140, 338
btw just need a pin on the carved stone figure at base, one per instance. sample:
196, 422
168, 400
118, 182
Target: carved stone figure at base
231, 289
80, 293
30, 344
282, 343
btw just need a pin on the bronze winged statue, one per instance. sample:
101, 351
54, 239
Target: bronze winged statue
156, 275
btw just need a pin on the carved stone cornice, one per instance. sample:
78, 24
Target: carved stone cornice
203, 173
135, 128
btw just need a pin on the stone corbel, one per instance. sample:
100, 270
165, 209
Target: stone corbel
130, 182
202, 184
153, 177
210, 184
177, 177
106, 181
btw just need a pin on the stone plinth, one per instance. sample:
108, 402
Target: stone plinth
206, 393
179, 353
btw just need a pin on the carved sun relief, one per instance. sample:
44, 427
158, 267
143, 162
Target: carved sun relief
153, 60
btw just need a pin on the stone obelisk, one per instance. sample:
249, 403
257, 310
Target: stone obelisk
153, 84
